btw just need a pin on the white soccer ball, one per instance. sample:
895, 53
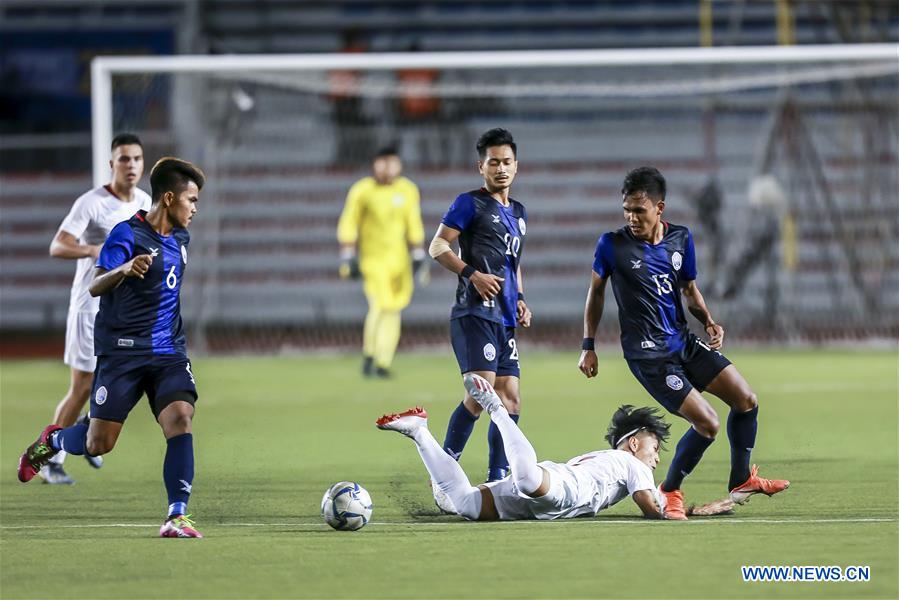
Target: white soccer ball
346, 506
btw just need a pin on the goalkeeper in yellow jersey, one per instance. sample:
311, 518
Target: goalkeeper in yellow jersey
381, 236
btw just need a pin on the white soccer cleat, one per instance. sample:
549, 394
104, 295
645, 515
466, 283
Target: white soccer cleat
482, 392
442, 500
406, 422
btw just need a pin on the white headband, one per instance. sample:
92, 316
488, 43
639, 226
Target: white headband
627, 435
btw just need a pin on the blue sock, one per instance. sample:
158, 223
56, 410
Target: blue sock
458, 430
71, 439
497, 464
178, 472
741, 430
687, 455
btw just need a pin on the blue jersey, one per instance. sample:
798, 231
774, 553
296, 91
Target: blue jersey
142, 316
492, 241
646, 279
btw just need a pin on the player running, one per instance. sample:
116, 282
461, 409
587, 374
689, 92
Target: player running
649, 261
381, 236
80, 237
140, 341
490, 227
584, 485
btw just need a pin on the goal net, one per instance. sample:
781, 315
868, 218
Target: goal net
781, 160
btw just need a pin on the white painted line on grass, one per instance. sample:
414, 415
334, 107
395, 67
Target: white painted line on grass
703, 521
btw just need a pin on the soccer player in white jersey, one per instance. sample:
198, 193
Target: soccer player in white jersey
80, 237
584, 485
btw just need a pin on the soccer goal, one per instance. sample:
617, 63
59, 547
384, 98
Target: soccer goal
782, 160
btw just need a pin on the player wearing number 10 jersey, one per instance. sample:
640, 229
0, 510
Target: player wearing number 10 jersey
490, 227
650, 263
139, 340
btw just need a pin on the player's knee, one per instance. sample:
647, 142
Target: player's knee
750, 402
177, 423
708, 426
100, 444
512, 403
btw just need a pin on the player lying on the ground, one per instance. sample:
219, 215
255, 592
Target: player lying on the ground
584, 485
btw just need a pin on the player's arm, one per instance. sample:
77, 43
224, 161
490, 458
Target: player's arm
596, 293
415, 234
523, 312
697, 307
348, 232
487, 285
65, 245
105, 281
646, 500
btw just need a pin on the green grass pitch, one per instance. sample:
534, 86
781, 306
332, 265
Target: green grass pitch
273, 433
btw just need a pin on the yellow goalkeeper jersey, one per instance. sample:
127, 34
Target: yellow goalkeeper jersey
383, 220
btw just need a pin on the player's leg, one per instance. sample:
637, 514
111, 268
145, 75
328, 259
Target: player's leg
369, 330
527, 475
172, 393
65, 415
395, 295
475, 349
508, 389
742, 425
445, 472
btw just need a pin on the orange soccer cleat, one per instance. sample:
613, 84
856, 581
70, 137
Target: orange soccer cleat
757, 485
674, 505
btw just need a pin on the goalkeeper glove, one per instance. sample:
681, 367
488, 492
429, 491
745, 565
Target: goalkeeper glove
349, 265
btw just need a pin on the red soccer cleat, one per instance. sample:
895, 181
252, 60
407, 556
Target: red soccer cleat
37, 454
757, 485
405, 422
674, 505
179, 526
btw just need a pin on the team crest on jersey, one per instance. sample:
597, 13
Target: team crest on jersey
100, 396
184, 254
489, 351
674, 382
677, 260
522, 226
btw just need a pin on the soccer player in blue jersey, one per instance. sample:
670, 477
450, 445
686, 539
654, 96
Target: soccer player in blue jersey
139, 340
649, 261
490, 227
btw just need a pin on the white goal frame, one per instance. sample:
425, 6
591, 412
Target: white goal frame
104, 67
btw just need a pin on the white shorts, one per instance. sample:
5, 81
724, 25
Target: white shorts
568, 496
79, 352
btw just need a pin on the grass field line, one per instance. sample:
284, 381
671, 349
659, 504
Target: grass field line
712, 521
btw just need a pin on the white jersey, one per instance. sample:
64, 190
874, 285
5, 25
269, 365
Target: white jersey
584, 485
90, 220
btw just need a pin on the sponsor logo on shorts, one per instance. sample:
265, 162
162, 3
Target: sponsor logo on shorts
677, 260
100, 396
522, 226
489, 351
647, 344
125, 343
674, 382
184, 254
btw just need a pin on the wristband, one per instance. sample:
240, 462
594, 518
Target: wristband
520, 297
588, 344
467, 272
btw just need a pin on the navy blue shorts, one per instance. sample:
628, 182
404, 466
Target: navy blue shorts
120, 381
669, 379
482, 345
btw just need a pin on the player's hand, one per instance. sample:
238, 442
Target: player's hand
138, 266
487, 285
716, 335
349, 268
421, 270
523, 313
95, 251
588, 364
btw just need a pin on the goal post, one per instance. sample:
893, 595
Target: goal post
781, 159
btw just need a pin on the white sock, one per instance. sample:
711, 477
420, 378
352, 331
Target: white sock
59, 457
448, 475
522, 457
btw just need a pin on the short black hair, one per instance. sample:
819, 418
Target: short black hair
628, 421
496, 137
647, 180
124, 139
389, 150
171, 174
